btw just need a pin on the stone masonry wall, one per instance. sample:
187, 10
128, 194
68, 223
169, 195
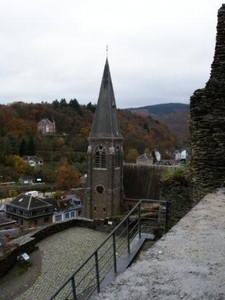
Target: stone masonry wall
176, 192
207, 124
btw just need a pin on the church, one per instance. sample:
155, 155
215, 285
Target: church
104, 191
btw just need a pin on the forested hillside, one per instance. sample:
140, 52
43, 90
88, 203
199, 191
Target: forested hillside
68, 146
175, 115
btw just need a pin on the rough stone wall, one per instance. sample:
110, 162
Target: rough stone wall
207, 124
176, 192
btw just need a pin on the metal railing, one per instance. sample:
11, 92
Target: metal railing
143, 218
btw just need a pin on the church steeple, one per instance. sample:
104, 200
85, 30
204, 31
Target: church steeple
105, 122
105, 156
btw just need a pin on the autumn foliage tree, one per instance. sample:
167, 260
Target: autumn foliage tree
132, 155
15, 167
67, 177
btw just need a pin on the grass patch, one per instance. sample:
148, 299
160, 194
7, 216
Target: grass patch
173, 173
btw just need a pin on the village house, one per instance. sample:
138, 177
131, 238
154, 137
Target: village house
29, 210
26, 179
33, 161
65, 209
45, 126
181, 155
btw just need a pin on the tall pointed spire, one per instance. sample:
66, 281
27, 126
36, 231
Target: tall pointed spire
105, 156
105, 122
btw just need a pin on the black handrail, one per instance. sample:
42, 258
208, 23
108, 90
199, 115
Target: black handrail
127, 234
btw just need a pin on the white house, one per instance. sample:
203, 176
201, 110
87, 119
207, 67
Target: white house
33, 161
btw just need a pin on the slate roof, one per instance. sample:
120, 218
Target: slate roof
45, 122
105, 122
12, 233
61, 205
28, 202
4, 220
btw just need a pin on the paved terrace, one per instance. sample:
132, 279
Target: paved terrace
187, 263
61, 254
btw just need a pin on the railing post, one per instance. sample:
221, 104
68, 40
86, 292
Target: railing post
73, 288
128, 237
97, 271
114, 252
139, 220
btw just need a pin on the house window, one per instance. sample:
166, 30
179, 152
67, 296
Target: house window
79, 212
104, 209
100, 157
21, 222
67, 215
58, 218
95, 208
46, 220
72, 214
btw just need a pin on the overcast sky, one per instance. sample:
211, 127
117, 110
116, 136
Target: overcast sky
160, 51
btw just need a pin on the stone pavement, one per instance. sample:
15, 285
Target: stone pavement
62, 253
187, 263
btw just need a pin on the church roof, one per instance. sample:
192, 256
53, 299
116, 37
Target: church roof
105, 122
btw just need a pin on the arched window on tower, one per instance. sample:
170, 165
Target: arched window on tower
100, 157
117, 157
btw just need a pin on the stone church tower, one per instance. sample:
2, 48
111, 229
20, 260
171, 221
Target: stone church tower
105, 156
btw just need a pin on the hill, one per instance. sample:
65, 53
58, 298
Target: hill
68, 146
175, 115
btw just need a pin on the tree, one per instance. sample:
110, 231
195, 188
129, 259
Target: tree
132, 156
67, 178
5, 148
74, 104
63, 103
17, 164
91, 107
55, 104
23, 148
13, 140
31, 146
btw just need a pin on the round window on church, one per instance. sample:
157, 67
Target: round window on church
100, 189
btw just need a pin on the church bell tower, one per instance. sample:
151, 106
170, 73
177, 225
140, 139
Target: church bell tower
105, 156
